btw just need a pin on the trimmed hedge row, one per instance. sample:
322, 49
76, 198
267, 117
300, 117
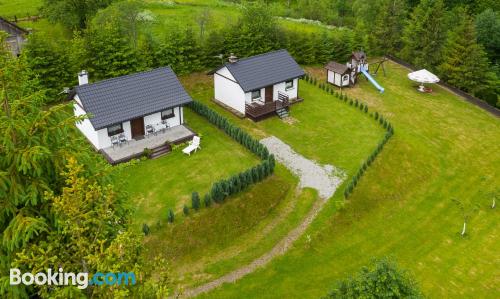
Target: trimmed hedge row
364, 108
226, 187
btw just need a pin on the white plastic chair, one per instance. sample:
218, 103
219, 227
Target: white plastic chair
194, 145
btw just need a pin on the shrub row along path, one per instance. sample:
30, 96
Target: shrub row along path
325, 179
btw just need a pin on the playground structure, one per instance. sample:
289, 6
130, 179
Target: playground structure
342, 75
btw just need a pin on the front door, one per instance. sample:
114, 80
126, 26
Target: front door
137, 127
269, 94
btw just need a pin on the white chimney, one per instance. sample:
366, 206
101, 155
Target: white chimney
232, 58
83, 77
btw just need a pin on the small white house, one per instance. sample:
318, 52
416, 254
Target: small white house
259, 85
337, 74
129, 106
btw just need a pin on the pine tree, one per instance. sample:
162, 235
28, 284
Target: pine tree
424, 35
50, 63
465, 64
388, 27
110, 54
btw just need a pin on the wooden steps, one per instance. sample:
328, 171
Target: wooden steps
160, 151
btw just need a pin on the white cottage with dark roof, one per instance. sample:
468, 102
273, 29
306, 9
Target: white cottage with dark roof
258, 86
122, 111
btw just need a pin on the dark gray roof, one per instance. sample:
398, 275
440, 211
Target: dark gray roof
265, 69
359, 55
124, 98
11, 28
337, 67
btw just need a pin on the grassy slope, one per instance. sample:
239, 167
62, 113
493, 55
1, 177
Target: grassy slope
443, 148
327, 143
254, 221
167, 182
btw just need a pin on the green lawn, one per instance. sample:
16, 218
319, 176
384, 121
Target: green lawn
443, 148
244, 227
215, 241
167, 182
19, 8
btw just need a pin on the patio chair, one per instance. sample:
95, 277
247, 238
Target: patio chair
149, 130
122, 139
194, 145
114, 141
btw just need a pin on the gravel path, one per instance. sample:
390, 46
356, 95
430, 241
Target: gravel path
311, 174
325, 178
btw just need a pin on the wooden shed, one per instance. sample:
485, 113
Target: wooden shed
16, 36
337, 74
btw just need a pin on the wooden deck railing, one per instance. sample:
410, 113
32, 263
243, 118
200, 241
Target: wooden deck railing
256, 110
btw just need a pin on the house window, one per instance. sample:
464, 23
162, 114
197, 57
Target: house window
115, 129
256, 95
166, 114
288, 85
346, 77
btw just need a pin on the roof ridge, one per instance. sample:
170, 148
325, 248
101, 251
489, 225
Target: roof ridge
14, 24
258, 55
125, 76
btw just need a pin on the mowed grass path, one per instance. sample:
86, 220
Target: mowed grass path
443, 148
215, 241
327, 143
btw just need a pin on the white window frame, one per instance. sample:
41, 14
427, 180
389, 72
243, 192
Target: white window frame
117, 131
289, 85
169, 115
257, 98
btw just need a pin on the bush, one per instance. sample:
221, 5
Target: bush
185, 210
145, 229
381, 279
171, 216
147, 152
195, 201
207, 200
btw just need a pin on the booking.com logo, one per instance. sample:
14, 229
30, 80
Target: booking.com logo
81, 279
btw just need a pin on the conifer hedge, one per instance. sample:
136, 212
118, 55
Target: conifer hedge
224, 188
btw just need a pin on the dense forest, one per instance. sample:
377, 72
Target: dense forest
458, 40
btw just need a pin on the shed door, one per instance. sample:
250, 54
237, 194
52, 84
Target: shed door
269, 94
137, 127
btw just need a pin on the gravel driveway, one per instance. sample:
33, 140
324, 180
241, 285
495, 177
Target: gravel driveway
324, 178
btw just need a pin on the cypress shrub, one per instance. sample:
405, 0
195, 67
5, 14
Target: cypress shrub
249, 177
272, 163
255, 174
195, 201
366, 109
145, 229
170, 216
207, 200
350, 102
185, 210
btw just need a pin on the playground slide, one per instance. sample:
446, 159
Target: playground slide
370, 78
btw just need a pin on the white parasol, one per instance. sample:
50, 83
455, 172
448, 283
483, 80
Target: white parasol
423, 76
